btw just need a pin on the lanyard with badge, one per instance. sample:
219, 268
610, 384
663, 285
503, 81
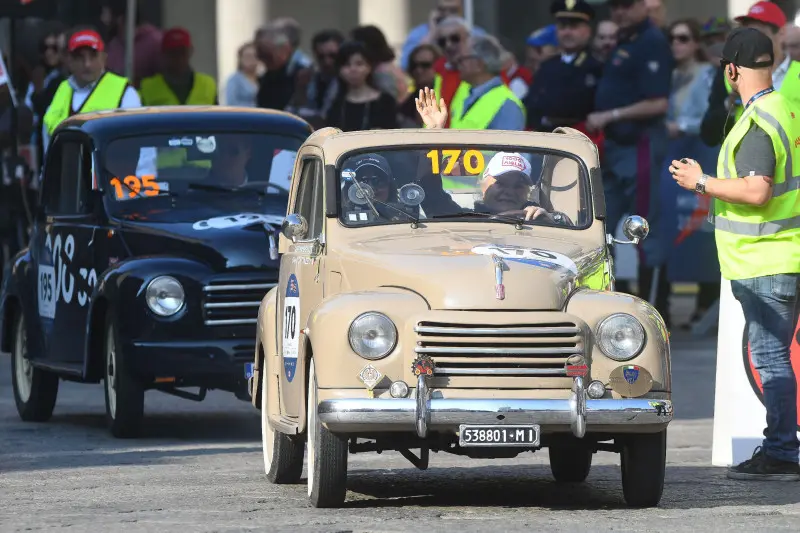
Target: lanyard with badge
758, 95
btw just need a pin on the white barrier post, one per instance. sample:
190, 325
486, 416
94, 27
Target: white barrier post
739, 415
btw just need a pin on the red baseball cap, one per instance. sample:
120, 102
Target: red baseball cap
176, 38
86, 39
765, 12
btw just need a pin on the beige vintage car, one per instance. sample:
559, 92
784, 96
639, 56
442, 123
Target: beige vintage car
452, 291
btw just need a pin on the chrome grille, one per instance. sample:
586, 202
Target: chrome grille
233, 303
499, 350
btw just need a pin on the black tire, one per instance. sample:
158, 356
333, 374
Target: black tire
570, 462
35, 390
283, 454
327, 455
643, 460
124, 412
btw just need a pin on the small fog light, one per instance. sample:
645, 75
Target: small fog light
596, 390
398, 389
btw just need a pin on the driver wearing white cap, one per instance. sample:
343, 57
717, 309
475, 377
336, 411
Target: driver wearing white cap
506, 187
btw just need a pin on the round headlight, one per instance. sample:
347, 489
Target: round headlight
165, 296
620, 337
372, 335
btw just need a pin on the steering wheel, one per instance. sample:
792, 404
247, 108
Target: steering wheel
278, 188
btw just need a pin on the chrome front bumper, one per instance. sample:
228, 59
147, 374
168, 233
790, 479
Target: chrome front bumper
423, 413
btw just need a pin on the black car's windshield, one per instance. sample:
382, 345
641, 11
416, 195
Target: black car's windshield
148, 166
511, 185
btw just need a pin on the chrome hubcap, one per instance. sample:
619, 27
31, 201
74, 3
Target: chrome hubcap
24, 370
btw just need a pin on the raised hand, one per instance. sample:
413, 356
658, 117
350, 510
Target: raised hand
433, 113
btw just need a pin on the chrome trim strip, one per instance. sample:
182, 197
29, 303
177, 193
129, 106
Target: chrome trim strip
225, 305
500, 371
231, 322
450, 413
499, 331
216, 288
491, 350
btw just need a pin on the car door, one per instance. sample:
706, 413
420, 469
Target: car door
300, 287
66, 241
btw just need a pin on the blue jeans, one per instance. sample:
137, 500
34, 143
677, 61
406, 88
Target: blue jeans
770, 310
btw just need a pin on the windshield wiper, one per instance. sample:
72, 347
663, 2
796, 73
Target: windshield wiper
211, 187
466, 214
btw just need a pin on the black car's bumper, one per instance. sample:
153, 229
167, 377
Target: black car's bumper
209, 363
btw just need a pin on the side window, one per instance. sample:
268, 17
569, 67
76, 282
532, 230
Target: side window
65, 190
310, 201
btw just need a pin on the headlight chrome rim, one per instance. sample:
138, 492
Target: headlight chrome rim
636, 324
154, 299
378, 355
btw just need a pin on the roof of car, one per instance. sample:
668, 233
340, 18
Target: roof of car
110, 123
335, 142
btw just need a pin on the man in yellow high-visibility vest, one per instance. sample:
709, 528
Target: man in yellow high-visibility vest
178, 83
90, 87
757, 228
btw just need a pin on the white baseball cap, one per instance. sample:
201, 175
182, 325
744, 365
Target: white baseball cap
507, 162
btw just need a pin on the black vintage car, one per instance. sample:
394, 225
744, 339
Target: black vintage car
152, 247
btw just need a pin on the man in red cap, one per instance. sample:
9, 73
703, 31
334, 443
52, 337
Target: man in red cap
91, 87
725, 106
178, 83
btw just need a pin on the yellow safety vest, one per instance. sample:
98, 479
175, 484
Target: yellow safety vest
790, 88
755, 241
437, 85
156, 91
107, 94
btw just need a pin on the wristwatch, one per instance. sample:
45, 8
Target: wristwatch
701, 184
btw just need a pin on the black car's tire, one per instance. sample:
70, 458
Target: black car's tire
327, 455
35, 390
283, 454
643, 460
124, 393
570, 463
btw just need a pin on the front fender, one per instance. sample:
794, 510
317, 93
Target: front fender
593, 306
266, 346
11, 297
336, 364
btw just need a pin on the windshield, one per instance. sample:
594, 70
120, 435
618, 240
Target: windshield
148, 166
391, 186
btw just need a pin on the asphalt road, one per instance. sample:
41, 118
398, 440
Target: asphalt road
200, 468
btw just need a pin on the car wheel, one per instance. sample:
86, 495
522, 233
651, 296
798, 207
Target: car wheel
570, 463
327, 455
35, 390
283, 454
643, 460
124, 393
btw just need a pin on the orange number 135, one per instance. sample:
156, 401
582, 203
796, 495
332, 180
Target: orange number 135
135, 185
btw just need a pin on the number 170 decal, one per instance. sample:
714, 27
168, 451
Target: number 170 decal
134, 186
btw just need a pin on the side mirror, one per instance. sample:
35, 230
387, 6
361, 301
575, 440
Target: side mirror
635, 228
294, 227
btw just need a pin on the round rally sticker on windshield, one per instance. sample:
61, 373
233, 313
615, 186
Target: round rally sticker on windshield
291, 326
529, 256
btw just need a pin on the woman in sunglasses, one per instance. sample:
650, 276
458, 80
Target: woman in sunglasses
420, 68
45, 79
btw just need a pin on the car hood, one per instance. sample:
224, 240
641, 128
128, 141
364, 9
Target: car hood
223, 235
456, 270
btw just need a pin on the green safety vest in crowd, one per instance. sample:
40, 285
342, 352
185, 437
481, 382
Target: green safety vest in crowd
790, 88
155, 91
755, 241
107, 94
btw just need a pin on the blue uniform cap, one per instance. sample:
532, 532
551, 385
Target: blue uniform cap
544, 36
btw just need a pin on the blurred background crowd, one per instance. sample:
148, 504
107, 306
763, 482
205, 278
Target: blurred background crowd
644, 84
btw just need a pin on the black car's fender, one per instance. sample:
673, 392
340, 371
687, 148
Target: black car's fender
120, 292
12, 299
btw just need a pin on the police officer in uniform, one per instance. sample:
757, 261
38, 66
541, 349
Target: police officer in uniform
757, 228
90, 88
563, 91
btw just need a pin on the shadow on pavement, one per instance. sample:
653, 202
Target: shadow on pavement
686, 487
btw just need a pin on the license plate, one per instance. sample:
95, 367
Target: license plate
499, 435
248, 370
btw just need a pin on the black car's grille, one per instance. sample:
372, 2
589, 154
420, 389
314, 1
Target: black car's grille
227, 303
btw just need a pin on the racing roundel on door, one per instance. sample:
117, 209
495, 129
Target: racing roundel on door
755, 380
291, 326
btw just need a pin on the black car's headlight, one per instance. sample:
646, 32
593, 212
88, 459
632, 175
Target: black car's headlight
620, 336
372, 335
165, 295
